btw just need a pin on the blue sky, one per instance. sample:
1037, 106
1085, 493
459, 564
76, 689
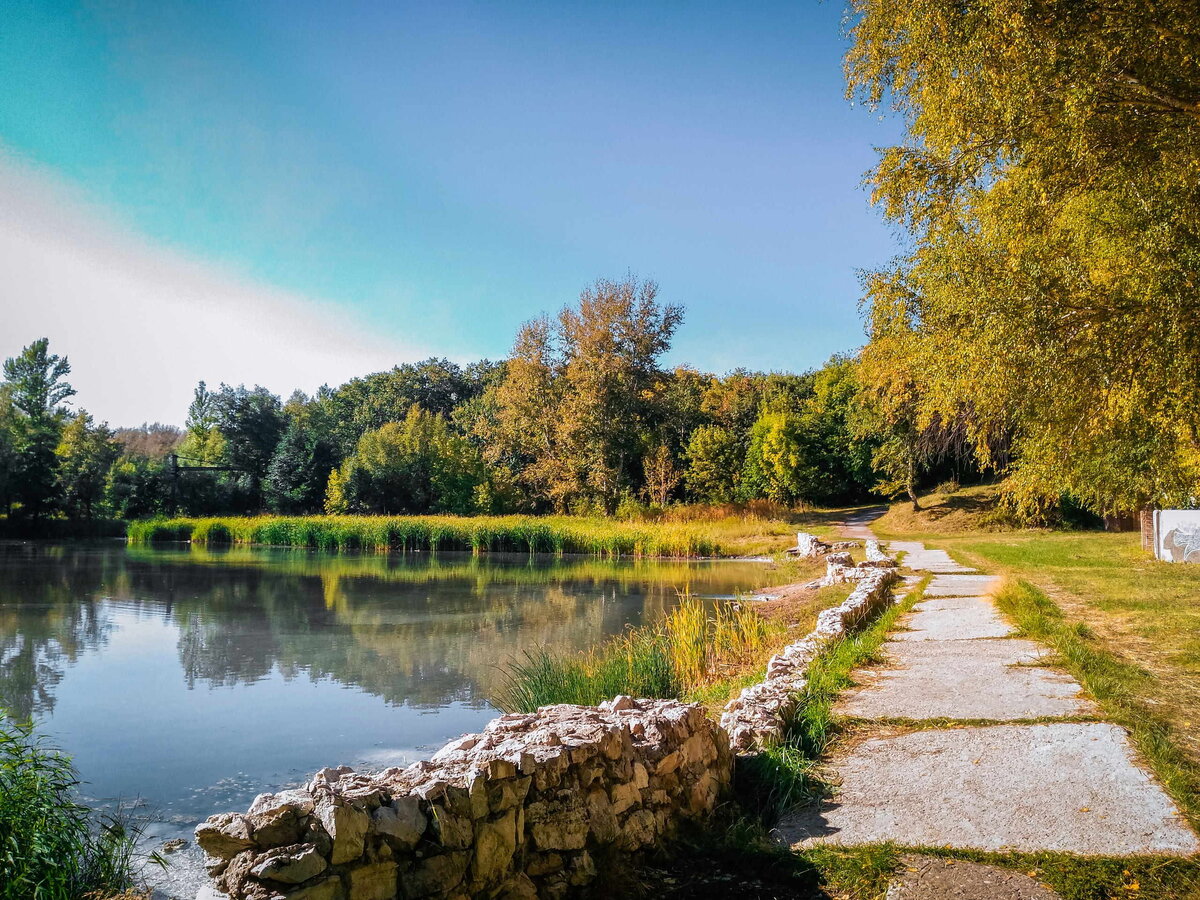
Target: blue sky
414, 179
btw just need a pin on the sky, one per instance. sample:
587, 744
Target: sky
291, 193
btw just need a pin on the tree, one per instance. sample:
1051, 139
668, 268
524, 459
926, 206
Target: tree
435, 385
149, 441
776, 466
137, 488
1050, 181
715, 461
298, 474
37, 380
85, 454
251, 423
202, 443
662, 475
419, 465
583, 393
10, 460
37, 386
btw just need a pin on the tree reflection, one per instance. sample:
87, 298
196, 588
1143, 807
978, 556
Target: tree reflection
50, 613
416, 630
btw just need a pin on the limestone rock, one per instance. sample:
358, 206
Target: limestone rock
290, 865
437, 874
329, 889
224, 836
401, 823
346, 827
374, 882
809, 546
495, 846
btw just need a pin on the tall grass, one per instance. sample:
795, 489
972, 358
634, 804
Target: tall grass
670, 659
532, 534
51, 846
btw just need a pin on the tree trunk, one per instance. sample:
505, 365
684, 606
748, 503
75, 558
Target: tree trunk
911, 486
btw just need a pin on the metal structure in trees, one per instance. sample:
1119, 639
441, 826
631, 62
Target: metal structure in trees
174, 469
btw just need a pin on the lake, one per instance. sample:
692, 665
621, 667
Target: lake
187, 680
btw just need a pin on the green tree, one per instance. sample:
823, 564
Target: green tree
202, 443
37, 387
86, 453
1050, 180
714, 464
10, 460
776, 464
420, 465
298, 474
251, 423
137, 488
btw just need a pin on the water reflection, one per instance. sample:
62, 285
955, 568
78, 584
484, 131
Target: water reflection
422, 631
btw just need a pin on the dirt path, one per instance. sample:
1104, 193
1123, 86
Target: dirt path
1031, 767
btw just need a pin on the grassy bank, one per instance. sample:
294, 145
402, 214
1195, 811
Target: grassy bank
51, 847
700, 652
524, 534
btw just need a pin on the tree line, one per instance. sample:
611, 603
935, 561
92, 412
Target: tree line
583, 417
1042, 323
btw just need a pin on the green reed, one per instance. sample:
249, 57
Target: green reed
525, 534
51, 846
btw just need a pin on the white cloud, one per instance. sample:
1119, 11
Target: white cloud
142, 324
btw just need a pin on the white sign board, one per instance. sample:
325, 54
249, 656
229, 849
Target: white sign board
1177, 535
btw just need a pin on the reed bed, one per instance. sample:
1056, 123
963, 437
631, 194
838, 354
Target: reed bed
677, 657
531, 534
51, 846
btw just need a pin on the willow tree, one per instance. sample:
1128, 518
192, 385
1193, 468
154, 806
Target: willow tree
1050, 181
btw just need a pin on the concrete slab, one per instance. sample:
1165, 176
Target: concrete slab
1064, 786
961, 585
930, 878
973, 679
916, 556
967, 618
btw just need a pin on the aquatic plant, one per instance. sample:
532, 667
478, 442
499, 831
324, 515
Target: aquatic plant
51, 846
526, 534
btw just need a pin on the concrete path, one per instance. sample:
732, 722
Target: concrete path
1030, 767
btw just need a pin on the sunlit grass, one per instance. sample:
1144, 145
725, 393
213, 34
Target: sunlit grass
526, 534
691, 647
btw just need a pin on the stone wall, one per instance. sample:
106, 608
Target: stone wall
526, 809
759, 716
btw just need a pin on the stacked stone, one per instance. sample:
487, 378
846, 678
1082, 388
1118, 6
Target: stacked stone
877, 557
809, 546
758, 717
522, 810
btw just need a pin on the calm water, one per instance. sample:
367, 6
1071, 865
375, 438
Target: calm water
191, 680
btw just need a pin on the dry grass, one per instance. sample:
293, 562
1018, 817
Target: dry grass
968, 510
